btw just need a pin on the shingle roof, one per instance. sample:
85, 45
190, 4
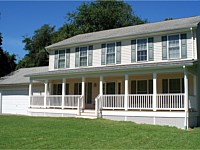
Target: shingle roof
18, 76
130, 31
104, 69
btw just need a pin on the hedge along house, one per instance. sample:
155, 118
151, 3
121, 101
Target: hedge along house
144, 73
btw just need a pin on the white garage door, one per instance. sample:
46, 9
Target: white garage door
15, 104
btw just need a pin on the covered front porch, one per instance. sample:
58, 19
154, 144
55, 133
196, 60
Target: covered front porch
158, 91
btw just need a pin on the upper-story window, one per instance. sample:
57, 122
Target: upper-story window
174, 46
83, 56
141, 49
62, 59
110, 54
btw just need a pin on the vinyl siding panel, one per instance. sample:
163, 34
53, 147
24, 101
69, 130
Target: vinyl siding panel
126, 52
189, 46
72, 58
157, 49
51, 60
97, 55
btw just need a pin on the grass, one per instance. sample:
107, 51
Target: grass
21, 132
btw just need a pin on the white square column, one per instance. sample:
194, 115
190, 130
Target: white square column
154, 90
83, 92
126, 93
186, 97
101, 85
63, 92
30, 93
45, 92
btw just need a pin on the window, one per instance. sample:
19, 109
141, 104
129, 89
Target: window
77, 88
60, 58
174, 49
173, 86
141, 86
83, 56
110, 55
57, 89
141, 49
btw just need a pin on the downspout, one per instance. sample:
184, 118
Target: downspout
192, 38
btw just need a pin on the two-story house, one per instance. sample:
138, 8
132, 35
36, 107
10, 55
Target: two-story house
144, 73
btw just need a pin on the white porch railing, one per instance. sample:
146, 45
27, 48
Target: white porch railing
140, 101
71, 101
170, 101
112, 101
37, 101
54, 101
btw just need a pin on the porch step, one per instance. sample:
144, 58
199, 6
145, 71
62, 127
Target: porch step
89, 114
86, 117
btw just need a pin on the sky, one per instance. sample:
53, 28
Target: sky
22, 18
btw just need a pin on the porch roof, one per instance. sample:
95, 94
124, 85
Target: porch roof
135, 30
18, 76
115, 68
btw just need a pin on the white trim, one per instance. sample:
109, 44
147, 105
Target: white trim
30, 93
154, 90
186, 96
101, 85
126, 93
45, 92
147, 49
80, 57
168, 58
192, 39
63, 91
106, 53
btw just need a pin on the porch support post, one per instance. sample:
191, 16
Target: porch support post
63, 91
30, 93
126, 93
101, 85
45, 92
186, 97
83, 92
154, 90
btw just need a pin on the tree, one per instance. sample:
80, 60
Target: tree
35, 45
7, 64
102, 15
89, 17
166, 19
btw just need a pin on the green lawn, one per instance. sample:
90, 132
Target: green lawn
19, 132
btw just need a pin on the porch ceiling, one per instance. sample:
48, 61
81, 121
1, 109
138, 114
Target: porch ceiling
114, 69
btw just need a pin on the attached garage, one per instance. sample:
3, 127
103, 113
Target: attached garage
14, 90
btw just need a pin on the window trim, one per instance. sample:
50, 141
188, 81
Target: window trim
136, 86
179, 40
137, 49
168, 82
106, 53
58, 58
80, 56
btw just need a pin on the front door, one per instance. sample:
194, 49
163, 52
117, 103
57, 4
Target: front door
110, 88
88, 95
